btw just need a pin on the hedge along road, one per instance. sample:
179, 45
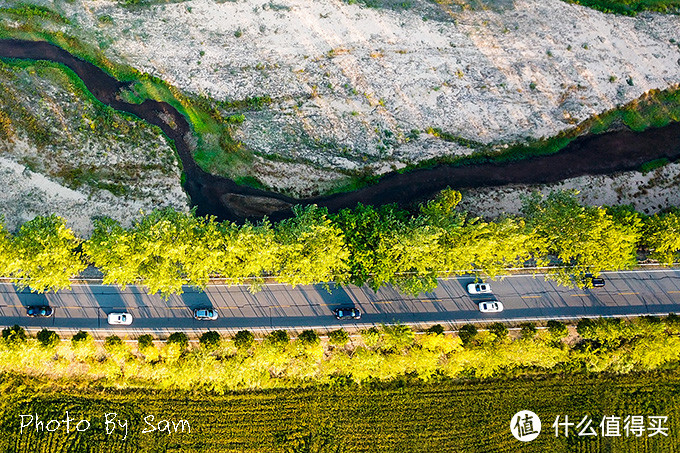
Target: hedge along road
222, 197
629, 293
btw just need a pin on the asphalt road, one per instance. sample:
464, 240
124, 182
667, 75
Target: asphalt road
279, 306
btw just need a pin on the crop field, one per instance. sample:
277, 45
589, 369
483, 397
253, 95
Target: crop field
402, 417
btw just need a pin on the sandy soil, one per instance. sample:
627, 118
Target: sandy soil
350, 83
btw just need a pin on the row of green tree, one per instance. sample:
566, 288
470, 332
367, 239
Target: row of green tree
389, 352
369, 245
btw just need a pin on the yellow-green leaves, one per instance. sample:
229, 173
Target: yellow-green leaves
309, 248
585, 239
662, 236
6, 250
43, 255
164, 250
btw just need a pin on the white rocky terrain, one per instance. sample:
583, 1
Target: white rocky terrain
351, 83
648, 193
27, 194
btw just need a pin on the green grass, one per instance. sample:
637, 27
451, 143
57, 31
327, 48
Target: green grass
653, 165
403, 417
631, 7
32, 12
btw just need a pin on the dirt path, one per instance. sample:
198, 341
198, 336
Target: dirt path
591, 155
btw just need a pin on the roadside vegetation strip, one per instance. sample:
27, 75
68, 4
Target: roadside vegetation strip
390, 353
472, 416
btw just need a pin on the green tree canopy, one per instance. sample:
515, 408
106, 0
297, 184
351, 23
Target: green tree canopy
499, 330
467, 333
310, 249
178, 338
388, 246
44, 255
14, 335
338, 337
164, 250
243, 339
244, 251
144, 341
585, 239
309, 337
662, 237
48, 338
210, 340
7, 256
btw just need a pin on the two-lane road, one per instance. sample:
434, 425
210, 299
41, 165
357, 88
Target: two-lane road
279, 306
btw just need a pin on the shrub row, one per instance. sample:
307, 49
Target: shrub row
379, 354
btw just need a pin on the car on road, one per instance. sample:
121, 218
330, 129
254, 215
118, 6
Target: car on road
39, 311
347, 313
490, 306
479, 288
597, 282
205, 314
124, 319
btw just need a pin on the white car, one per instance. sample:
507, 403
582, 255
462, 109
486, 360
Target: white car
490, 306
479, 288
120, 318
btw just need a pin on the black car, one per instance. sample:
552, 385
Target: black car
39, 311
347, 313
596, 281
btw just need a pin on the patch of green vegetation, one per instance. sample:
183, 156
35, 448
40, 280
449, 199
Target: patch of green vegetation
236, 119
452, 138
396, 5
105, 19
653, 165
30, 12
630, 7
249, 180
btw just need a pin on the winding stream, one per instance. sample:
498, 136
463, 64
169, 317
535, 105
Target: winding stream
589, 155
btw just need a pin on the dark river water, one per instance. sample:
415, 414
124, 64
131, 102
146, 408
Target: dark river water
222, 197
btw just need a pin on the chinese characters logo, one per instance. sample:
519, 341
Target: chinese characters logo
613, 426
525, 426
